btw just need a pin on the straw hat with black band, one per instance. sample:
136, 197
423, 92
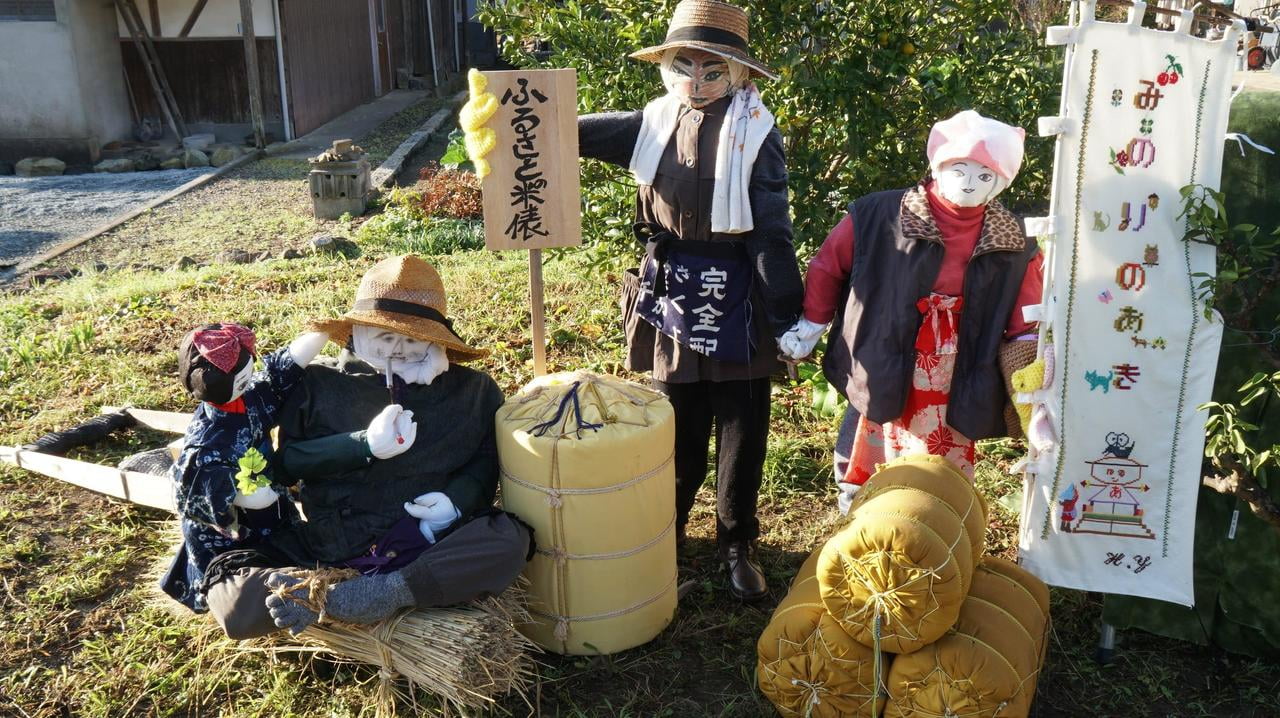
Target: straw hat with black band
404, 295
716, 27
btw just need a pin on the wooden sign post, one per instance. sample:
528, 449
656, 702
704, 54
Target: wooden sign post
532, 196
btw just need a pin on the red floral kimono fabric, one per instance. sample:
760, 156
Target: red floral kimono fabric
922, 428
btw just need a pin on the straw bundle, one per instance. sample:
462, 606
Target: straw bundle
467, 656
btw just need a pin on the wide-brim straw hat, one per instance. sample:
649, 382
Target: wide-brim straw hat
713, 26
404, 295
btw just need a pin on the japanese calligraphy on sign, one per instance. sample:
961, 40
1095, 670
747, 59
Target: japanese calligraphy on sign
532, 198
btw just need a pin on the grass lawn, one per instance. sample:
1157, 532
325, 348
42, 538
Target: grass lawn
83, 632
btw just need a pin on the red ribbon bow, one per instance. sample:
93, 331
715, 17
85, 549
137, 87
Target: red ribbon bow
222, 346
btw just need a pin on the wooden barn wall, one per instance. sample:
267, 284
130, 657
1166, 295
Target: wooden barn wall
446, 34
328, 59
208, 79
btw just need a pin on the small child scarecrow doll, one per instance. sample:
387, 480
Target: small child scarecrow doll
222, 478
719, 281
925, 286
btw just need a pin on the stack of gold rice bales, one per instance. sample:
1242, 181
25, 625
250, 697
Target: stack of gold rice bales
896, 575
906, 576
988, 665
808, 664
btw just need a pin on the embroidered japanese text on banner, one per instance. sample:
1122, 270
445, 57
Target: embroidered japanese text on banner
1130, 353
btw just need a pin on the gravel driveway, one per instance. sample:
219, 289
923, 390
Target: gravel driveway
38, 212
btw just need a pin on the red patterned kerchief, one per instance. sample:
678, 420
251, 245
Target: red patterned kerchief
222, 346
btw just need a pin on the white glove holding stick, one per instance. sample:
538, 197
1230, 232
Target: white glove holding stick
798, 341
392, 432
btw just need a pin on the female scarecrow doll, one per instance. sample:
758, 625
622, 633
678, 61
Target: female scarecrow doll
222, 480
719, 281
925, 285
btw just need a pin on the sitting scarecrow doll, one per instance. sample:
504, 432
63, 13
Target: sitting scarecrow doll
926, 286
396, 463
223, 488
719, 281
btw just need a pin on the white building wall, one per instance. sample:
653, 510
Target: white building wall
62, 82
38, 81
101, 69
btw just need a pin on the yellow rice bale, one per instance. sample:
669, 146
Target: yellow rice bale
905, 559
808, 665
988, 665
940, 478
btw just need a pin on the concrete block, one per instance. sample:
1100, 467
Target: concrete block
40, 167
115, 166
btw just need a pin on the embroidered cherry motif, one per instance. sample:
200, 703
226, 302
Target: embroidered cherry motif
1173, 78
1162, 79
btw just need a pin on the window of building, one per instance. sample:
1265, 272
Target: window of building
29, 10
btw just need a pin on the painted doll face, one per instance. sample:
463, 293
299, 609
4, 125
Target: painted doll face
967, 183
241, 383
375, 346
696, 77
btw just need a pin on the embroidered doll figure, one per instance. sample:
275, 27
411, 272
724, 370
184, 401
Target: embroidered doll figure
924, 285
719, 280
223, 488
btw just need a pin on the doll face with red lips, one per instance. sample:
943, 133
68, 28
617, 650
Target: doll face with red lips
696, 77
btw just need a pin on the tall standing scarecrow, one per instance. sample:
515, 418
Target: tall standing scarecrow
719, 281
926, 287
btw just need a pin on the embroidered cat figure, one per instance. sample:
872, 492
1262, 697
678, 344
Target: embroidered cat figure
1097, 381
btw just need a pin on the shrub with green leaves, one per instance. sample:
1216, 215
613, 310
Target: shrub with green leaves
860, 85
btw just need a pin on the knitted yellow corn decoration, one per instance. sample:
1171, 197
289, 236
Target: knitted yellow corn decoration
1027, 380
483, 104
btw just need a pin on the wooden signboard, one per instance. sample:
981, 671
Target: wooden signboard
532, 197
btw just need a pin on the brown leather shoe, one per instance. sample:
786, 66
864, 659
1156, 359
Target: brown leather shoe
746, 580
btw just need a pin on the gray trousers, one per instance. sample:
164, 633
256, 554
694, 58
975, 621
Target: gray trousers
482, 557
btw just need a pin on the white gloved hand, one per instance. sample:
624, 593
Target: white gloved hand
435, 512
798, 341
392, 432
260, 499
305, 347
433, 365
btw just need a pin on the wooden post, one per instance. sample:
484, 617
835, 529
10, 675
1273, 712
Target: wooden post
161, 100
191, 19
535, 161
129, 7
537, 302
155, 17
255, 75
407, 26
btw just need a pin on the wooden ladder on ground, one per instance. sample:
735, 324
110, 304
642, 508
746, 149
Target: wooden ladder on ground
151, 62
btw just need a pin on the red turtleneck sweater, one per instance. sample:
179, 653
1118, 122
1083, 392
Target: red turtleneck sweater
960, 228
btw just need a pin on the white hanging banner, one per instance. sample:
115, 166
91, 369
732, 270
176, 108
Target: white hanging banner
1111, 505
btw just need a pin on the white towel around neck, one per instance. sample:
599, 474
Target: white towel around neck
747, 123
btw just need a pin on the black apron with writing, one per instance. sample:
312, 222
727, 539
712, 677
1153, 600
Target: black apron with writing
698, 293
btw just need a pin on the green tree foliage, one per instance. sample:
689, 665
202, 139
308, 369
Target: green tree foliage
860, 85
